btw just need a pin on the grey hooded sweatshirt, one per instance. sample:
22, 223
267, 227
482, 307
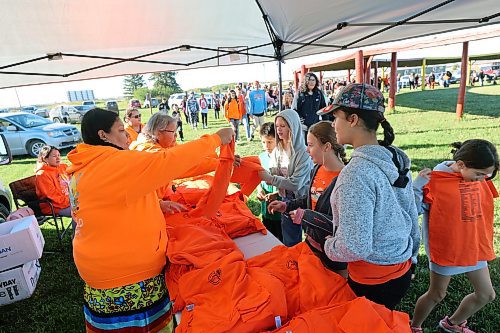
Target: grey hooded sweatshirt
300, 164
377, 222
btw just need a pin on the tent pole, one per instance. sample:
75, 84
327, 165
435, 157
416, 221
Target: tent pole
375, 74
358, 63
280, 87
422, 74
349, 75
393, 83
463, 79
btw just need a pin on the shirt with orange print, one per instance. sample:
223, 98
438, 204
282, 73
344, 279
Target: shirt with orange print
52, 183
120, 237
320, 182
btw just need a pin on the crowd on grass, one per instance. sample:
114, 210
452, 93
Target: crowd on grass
369, 200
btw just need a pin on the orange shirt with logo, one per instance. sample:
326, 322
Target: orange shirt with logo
52, 183
320, 182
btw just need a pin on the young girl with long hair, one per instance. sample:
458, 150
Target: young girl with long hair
456, 199
373, 207
329, 159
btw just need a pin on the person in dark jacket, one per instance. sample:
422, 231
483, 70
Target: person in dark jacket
328, 158
308, 101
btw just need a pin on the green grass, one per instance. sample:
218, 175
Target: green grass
425, 126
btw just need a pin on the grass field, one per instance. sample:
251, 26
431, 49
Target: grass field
425, 125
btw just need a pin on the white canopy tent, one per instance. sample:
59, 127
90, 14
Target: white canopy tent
45, 41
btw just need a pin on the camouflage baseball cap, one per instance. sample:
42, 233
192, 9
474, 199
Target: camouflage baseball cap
357, 96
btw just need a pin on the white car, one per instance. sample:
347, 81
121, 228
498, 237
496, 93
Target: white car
175, 99
65, 114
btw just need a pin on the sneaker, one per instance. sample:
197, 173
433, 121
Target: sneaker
416, 329
447, 326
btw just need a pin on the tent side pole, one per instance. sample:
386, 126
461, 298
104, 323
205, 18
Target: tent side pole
375, 74
463, 79
280, 87
358, 63
422, 74
393, 83
349, 75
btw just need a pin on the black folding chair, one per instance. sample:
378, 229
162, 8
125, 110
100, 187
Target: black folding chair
24, 195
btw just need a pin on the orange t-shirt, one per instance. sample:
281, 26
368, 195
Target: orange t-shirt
368, 273
321, 180
461, 219
132, 133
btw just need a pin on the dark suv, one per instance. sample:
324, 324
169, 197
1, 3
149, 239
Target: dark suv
112, 106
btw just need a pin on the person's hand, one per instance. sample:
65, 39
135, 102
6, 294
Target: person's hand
226, 135
261, 195
292, 214
276, 206
425, 173
237, 160
171, 207
271, 196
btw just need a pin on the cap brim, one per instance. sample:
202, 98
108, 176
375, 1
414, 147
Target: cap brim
327, 109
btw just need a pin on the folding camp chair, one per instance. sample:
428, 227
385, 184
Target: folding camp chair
24, 195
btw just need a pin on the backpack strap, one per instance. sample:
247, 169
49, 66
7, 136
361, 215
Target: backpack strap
403, 178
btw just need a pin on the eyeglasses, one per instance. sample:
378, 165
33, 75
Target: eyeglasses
137, 116
169, 131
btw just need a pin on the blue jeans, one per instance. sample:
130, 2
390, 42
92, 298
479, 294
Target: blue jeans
292, 233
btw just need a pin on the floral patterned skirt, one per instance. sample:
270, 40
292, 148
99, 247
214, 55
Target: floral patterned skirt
136, 308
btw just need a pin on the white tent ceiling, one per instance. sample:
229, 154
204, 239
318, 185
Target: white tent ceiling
102, 38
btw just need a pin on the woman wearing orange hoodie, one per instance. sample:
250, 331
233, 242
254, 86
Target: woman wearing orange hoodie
133, 124
233, 112
52, 182
120, 241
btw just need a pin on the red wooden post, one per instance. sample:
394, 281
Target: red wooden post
349, 76
321, 79
375, 74
295, 80
393, 83
368, 69
303, 72
463, 81
358, 63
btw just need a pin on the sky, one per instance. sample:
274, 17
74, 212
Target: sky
111, 88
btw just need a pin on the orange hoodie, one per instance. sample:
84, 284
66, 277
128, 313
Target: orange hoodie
52, 183
232, 110
132, 133
120, 237
209, 164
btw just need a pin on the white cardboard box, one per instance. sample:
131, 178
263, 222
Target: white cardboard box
20, 241
19, 282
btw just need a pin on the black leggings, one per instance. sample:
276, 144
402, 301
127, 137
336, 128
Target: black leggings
389, 293
204, 119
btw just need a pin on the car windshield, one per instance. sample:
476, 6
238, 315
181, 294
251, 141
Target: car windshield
29, 120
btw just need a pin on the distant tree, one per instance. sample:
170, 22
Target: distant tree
131, 83
164, 84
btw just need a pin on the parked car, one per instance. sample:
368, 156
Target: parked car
154, 103
65, 114
112, 106
405, 81
27, 133
175, 99
4, 110
82, 109
34, 110
89, 103
134, 103
5, 195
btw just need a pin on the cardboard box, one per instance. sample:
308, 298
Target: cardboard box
19, 282
20, 241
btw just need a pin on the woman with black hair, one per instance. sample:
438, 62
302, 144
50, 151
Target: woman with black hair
373, 204
120, 240
308, 101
